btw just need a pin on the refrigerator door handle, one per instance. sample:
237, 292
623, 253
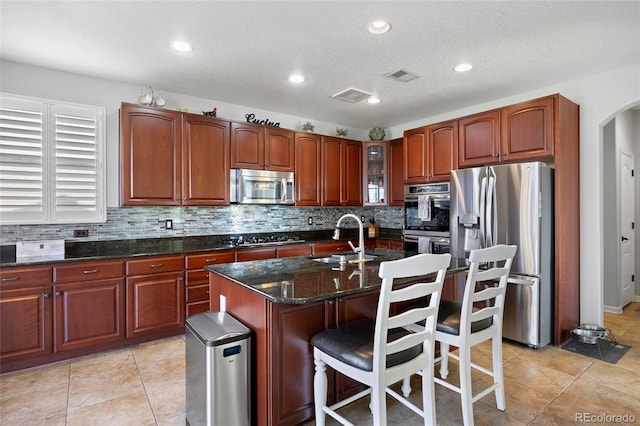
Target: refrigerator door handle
518, 281
483, 207
490, 211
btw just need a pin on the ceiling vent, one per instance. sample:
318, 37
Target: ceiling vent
352, 95
402, 75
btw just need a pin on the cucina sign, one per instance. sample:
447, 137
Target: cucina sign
251, 118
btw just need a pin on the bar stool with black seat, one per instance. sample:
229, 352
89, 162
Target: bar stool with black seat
477, 319
379, 352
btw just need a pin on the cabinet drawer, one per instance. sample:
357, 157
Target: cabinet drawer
198, 276
197, 307
25, 276
155, 265
195, 261
88, 271
291, 251
197, 293
256, 254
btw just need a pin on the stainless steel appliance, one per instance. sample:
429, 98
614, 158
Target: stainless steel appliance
426, 232
511, 204
262, 187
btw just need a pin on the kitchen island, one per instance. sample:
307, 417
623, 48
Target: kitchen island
285, 302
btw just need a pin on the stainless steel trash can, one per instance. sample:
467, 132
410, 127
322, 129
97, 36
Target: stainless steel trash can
218, 356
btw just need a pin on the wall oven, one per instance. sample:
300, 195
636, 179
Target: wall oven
426, 218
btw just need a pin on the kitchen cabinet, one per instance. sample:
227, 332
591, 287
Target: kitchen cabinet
155, 295
197, 279
479, 139
331, 247
528, 130
296, 250
430, 152
389, 244
341, 172
26, 324
396, 173
260, 147
89, 304
169, 158
376, 182
307, 169
245, 255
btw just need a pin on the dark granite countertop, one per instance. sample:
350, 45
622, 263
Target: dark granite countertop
115, 249
300, 280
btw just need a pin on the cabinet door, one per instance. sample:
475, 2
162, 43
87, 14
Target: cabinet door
395, 173
279, 149
149, 156
331, 171
307, 169
205, 161
443, 145
247, 146
376, 177
479, 140
256, 254
331, 247
88, 313
415, 155
298, 250
25, 323
527, 130
352, 173
155, 303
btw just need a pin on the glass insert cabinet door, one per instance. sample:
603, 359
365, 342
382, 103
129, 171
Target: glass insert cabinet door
375, 178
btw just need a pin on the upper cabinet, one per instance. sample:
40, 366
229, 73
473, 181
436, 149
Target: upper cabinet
308, 171
260, 147
396, 174
520, 132
168, 158
341, 172
430, 152
376, 181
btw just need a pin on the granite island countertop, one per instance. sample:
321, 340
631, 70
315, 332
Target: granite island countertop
300, 280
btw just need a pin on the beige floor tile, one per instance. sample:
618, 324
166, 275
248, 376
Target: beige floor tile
530, 375
25, 381
103, 363
614, 377
555, 358
167, 398
159, 351
43, 406
168, 369
129, 410
91, 389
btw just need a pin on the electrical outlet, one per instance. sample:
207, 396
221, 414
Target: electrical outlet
168, 224
80, 233
362, 218
310, 220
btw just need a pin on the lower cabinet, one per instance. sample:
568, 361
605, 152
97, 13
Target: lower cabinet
155, 300
197, 278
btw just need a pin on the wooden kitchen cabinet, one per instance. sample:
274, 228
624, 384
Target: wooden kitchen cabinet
197, 279
296, 250
254, 146
308, 171
341, 172
331, 247
376, 173
528, 130
168, 158
155, 295
479, 139
26, 324
245, 255
430, 152
396, 173
89, 304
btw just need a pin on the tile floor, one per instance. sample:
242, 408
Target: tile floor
144, 385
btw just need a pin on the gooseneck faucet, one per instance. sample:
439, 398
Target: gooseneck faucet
360, 248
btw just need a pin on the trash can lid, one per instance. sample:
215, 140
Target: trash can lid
217, 328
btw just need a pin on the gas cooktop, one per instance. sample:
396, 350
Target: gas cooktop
270, 240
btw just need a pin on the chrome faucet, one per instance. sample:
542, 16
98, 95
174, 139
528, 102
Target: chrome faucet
360, 248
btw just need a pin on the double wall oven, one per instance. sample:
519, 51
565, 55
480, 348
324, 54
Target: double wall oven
426, 218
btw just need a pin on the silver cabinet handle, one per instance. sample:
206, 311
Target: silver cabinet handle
157, 265
91, 271
10, 279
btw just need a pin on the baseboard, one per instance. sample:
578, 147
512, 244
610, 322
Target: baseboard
613, 309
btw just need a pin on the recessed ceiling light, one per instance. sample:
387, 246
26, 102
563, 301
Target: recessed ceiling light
378, 27
181, 46
373, 100
463, 67
296, 78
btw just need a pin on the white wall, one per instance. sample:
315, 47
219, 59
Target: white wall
601, 97
611, 289
38, 82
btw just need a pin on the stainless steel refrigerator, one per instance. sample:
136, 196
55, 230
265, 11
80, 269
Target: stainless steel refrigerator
511, 204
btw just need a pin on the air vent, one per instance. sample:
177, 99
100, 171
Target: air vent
402, 75
352, 95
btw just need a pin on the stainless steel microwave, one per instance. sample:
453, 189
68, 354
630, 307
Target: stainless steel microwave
262, 187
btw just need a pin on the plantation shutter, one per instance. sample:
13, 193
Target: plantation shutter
51, 167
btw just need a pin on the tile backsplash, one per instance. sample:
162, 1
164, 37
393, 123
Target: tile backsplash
149, 222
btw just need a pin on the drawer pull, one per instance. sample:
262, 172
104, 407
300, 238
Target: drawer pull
46, 295
157, 265
58, 293
4, 280
210, 260
91, 271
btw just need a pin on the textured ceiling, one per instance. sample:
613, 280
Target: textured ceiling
244, 51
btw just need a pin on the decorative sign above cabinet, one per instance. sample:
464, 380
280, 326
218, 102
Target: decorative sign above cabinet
251, 118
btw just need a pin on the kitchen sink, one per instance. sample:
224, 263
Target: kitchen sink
344, 258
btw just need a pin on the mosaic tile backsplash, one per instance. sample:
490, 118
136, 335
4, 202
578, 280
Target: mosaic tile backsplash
149, 222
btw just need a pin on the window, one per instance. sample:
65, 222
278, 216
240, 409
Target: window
51, 162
